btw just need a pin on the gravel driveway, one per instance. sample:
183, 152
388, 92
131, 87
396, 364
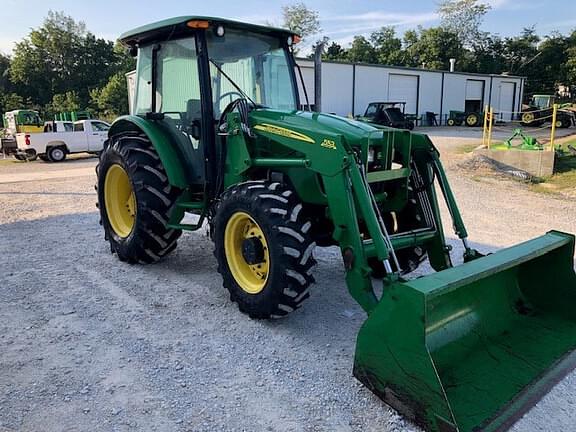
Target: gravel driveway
88, 343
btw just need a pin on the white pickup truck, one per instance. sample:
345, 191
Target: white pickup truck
53, 145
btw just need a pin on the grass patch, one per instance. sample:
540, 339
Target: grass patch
466, 148
564, 177
7, 161
564, 147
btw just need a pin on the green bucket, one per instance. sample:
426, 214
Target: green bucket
472, 348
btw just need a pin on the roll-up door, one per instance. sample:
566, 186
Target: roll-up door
404, 88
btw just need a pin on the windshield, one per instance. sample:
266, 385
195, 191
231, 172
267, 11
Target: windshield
257, 64
29, 118
541, 101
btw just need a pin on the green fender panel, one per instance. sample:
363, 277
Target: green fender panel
171, 155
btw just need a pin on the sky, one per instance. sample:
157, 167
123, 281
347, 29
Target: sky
340, 20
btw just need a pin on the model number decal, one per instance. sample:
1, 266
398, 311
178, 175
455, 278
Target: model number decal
330, 144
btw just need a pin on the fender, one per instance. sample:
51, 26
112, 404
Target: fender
172, 153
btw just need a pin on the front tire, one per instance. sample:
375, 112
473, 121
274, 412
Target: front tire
264, 248
135, 200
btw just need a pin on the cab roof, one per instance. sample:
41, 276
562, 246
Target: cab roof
178, 25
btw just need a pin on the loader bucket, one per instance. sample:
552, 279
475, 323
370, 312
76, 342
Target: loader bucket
472, 348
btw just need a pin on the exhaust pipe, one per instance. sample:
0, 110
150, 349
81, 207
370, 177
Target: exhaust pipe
318, 76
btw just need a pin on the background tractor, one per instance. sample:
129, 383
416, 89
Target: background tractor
392, 114
217, 133
540, 111
470, 119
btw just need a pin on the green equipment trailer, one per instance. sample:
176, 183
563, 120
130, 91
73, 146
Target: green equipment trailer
216, 132
72, 116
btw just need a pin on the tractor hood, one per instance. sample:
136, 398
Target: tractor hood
311, 126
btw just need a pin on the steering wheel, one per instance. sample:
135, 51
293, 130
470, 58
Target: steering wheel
229, 94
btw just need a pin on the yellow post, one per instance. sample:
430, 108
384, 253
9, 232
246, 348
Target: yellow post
484, 128
490, 123
553, 130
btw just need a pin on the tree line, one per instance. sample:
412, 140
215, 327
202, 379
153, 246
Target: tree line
62, 66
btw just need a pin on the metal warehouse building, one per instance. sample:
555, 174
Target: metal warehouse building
348, 88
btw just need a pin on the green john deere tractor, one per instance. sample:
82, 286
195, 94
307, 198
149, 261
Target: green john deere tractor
540, 110
216, 132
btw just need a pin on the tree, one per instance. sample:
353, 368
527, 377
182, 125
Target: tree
123, 61
464, 18
571, 62
4, 73
66, 102
387, 46
335, 52
61, 56
10, 102
112, 99
549, 69
301, 20
487, 56
361, 51
432, 48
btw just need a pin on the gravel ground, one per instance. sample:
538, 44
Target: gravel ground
89, 343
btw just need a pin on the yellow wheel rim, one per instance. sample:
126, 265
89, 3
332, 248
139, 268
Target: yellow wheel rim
251, 278
120, 201
472, 120
558, 123
528, 117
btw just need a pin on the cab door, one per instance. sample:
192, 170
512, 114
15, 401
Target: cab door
179, 99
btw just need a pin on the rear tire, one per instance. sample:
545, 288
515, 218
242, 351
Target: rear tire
472, 120
56, 154
277, 282
145, 239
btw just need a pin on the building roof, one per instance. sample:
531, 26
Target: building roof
408, 68
178, 25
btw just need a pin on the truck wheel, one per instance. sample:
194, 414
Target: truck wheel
264, 248
44, 158
31, 155
56, 154
135, 200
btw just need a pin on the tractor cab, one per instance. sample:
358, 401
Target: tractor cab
226, 64
23, 121
542, 101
